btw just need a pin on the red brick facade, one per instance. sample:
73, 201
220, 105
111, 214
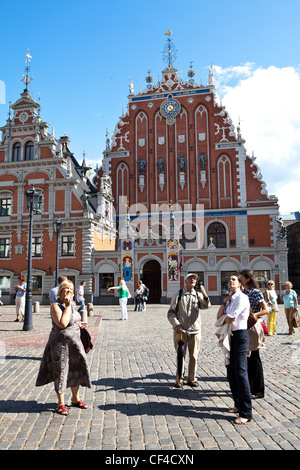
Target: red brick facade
176, 185
197, 159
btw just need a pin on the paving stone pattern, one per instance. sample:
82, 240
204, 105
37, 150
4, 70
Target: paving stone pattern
132, 403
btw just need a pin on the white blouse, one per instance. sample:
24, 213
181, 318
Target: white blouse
238, 308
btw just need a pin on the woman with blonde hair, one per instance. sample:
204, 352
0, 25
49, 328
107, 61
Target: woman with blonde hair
290, 301
271, 298
123, 295
64, 360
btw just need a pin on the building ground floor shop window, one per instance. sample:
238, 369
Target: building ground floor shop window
106, 280
5, 285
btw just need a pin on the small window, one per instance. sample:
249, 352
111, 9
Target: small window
68, 245
29, 151
217, 234
4, 247
5, 206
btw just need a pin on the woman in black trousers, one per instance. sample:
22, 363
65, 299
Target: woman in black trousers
236, 307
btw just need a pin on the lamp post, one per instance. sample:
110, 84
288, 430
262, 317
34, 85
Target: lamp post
32, 201
57, 228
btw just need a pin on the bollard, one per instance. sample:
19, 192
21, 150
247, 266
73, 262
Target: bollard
83, 314
36, 307
90, 309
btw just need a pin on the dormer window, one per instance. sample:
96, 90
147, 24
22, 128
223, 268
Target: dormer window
17, 152
29, 151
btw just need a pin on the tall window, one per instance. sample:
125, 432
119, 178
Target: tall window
36, 247
29, 151
217, 234
68, 245
4, 247
17, 152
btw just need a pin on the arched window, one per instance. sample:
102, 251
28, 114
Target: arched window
224, 182
17, 152
216, 234
29, 151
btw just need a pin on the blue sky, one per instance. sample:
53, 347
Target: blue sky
83, 54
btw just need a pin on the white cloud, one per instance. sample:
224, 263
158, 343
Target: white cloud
267, 102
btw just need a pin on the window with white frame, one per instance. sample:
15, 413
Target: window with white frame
68, 245
36, 246
5, 205
4, 247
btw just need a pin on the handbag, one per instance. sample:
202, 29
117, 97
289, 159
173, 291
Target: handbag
86, 340
252, 319
296, 318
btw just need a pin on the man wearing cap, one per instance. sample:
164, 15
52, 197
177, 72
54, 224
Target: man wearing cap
184, 314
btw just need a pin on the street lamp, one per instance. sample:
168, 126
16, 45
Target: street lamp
57, 228
32, 201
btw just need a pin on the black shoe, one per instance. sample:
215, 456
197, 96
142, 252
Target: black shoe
178, 385
193, 384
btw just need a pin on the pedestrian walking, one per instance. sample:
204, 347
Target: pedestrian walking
290, 302
184, 316
271, 299
145, 295
123, 296
53, 296
80, 296
139, 297
235, 308
20, 298
259, 308
64, 359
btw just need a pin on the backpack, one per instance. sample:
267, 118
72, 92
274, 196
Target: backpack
180, 294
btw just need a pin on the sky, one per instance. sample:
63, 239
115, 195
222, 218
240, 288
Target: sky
83, 54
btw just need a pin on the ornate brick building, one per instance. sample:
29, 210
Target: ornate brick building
30, 155
176, 192
192, 197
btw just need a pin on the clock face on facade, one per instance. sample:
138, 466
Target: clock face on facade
169, 109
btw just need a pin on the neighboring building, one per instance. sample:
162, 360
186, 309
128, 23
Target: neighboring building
292, 223
176, 158
29, 155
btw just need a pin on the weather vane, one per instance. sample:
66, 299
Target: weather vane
169, 52
26, 79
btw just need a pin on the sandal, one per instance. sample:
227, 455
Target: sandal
62, 410
80, 404
241, 420
233, 410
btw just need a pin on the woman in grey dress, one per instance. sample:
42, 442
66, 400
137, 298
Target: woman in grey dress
64, 360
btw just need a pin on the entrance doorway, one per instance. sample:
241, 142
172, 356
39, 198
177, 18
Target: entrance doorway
151, 276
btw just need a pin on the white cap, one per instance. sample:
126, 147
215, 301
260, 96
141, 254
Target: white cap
191, 274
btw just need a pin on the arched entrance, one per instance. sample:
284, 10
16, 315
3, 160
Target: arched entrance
151, 276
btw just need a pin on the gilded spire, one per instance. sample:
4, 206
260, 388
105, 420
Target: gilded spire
169, 52
26, 79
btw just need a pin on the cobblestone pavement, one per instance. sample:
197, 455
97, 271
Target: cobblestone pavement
132, 403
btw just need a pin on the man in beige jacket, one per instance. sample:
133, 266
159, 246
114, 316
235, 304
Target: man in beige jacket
184, 316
